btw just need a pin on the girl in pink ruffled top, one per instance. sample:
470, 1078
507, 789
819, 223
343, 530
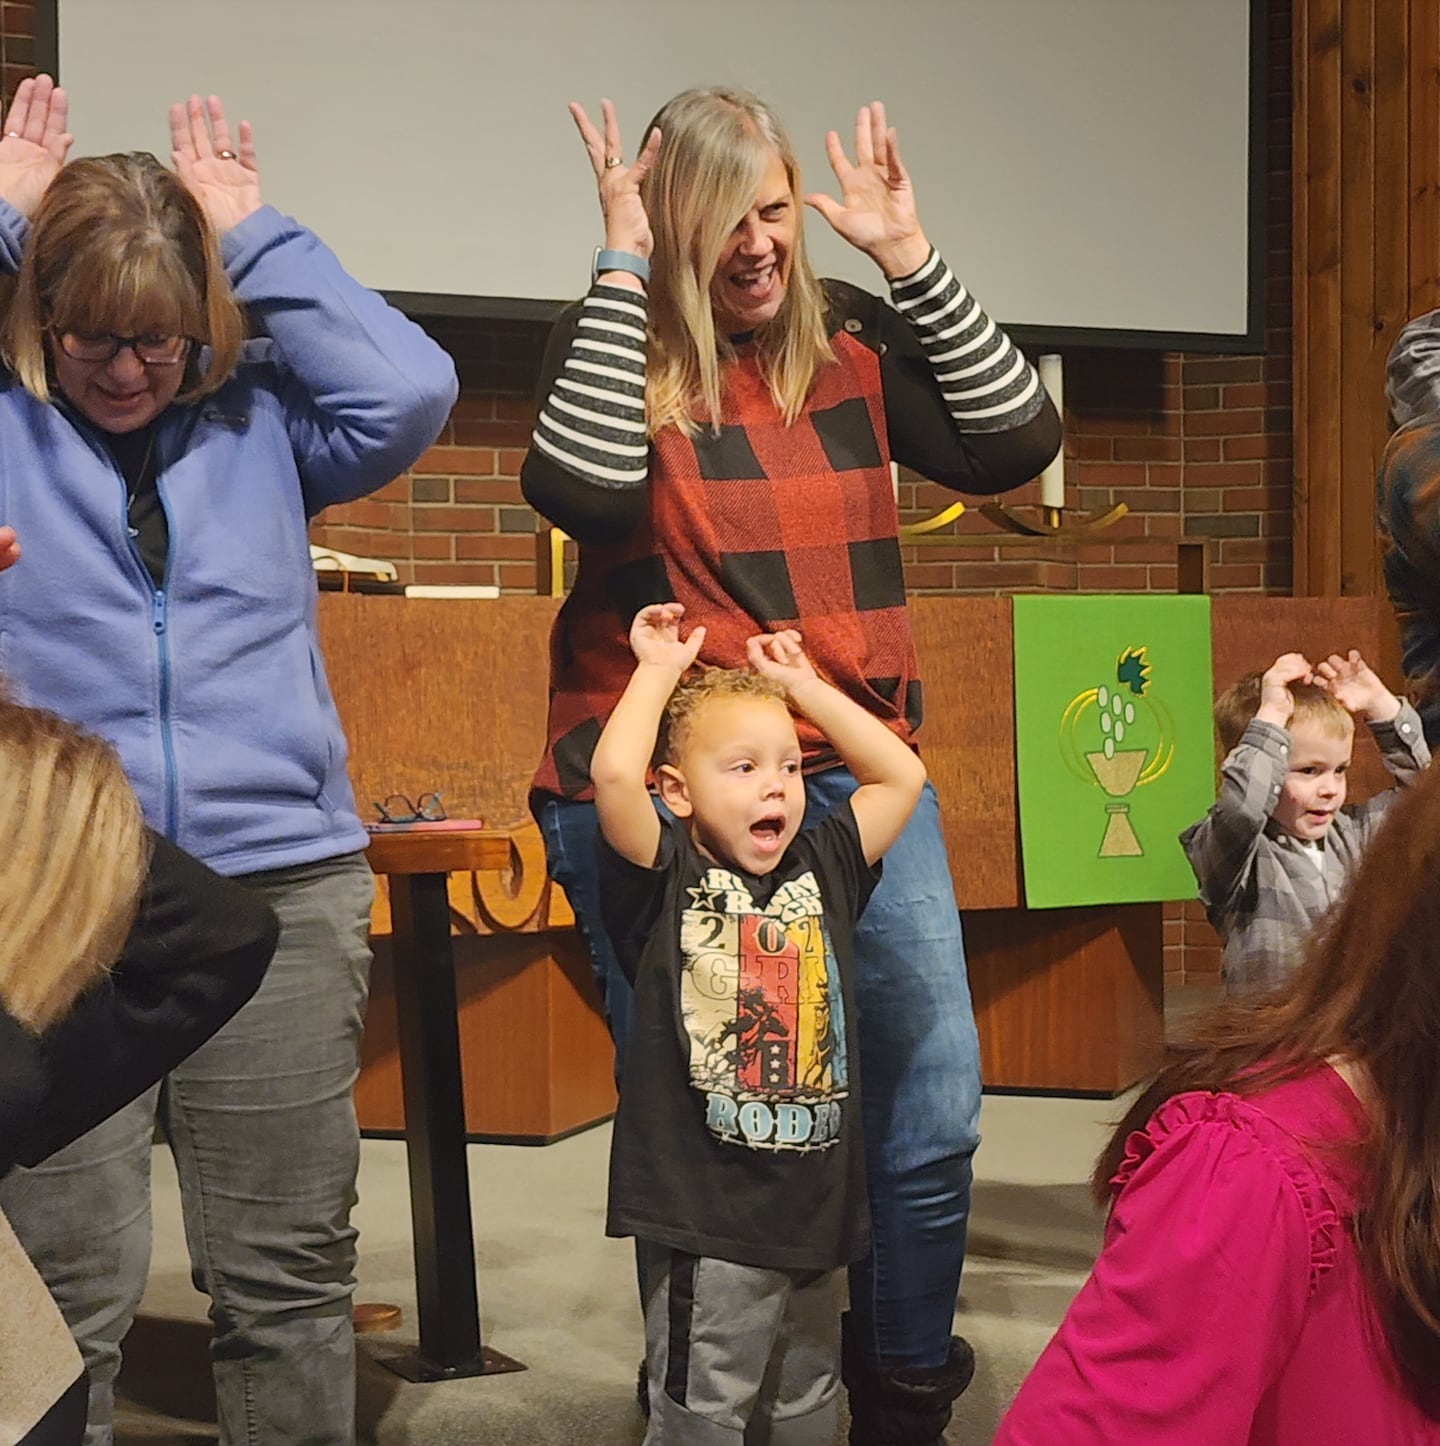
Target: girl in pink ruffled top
1271, 1268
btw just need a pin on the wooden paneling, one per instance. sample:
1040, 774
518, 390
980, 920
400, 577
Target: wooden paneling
535, 1054
966, 654
441, 694
1067, 999
1366, 217
1247, 635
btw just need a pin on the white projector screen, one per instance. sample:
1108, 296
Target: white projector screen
1088, 167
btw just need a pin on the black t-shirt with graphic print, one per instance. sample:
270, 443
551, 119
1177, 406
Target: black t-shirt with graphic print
738, 1132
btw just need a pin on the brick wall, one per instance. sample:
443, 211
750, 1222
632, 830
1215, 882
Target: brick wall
1194, 445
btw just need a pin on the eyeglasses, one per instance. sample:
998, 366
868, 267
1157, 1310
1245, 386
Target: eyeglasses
397, 808
102, 346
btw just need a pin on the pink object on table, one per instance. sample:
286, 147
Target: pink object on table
1228, 1306
425, 825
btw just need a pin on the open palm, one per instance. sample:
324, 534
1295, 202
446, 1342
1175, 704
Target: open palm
220, 173
876, 211
33, 142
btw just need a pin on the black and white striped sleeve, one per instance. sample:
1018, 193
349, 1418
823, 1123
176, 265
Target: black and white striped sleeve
589, 458
985, 379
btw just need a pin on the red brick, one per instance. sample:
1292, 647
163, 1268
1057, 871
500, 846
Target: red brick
1114, 578
454, 519
452, 574
493, 434
929, 577
516, 577
432, 547
507, 463
1147, 449
498, 546
1235, 577
504, 491
1201, 399
1090, 449
1204, 371
1227, 423
1272, 444
457, 462
1224, 474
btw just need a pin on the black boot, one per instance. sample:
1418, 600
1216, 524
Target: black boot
905, 1405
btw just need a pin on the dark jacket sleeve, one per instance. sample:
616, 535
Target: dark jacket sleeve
197, 952
923, 434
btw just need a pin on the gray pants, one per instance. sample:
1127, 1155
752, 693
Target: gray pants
261, 1122
736, 1354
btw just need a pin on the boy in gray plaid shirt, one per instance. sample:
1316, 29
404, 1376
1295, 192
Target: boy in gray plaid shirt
1273, 853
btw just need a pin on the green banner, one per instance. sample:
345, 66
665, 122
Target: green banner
1113, 743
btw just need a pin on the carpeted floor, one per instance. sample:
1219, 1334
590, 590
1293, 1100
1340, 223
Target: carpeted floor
560, 1297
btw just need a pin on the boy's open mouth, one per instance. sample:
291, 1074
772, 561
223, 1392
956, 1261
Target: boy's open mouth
766, 832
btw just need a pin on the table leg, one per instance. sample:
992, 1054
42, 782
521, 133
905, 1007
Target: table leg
435, 1144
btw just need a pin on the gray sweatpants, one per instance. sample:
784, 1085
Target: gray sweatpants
737, 1354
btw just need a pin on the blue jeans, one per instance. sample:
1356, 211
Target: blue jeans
261, 1121
919, 1062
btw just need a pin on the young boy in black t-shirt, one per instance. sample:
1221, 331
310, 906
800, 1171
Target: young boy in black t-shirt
737, 1159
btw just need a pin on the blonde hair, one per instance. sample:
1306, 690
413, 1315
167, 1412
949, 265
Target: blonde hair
120, 245
715, 146
695, 690
1238, 704
75, 859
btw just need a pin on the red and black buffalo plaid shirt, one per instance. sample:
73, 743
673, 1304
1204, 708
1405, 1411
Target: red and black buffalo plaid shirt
761, 527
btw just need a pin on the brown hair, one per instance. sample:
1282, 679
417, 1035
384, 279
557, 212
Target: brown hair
1238, 704
694, 691
1369, 993
75, 855
119, 244
715, 145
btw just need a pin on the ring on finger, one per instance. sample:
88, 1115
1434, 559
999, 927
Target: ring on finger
9, 135
226, 156
611, 162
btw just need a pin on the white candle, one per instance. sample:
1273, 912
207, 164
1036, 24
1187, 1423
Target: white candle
1052, 479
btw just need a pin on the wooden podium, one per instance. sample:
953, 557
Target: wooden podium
450, 695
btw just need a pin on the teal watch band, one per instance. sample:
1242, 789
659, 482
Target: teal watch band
620, 261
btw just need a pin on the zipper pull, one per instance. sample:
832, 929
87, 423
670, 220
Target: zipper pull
158, 611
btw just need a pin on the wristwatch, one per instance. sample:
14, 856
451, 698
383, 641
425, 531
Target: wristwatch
620, 261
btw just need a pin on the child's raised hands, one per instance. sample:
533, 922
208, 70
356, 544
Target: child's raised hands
655, 637
781, 658
1277, 702
1354, 685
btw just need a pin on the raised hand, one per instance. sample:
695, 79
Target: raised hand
627, 227
655, 637
217, 171
781, 658
876, 210
1277, 702
1355, 686
33, 142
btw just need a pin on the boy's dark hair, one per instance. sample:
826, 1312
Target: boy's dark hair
695, 690
1238, 704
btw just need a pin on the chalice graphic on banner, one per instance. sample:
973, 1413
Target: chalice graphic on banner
1118, 737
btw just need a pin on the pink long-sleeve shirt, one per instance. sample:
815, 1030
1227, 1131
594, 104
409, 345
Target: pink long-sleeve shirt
1228, 1306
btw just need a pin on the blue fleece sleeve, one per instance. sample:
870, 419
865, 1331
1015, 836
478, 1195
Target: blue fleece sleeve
365, 390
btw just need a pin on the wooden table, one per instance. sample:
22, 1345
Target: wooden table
446, 1296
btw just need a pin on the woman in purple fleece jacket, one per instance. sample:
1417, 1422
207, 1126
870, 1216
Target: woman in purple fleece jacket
189, 377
